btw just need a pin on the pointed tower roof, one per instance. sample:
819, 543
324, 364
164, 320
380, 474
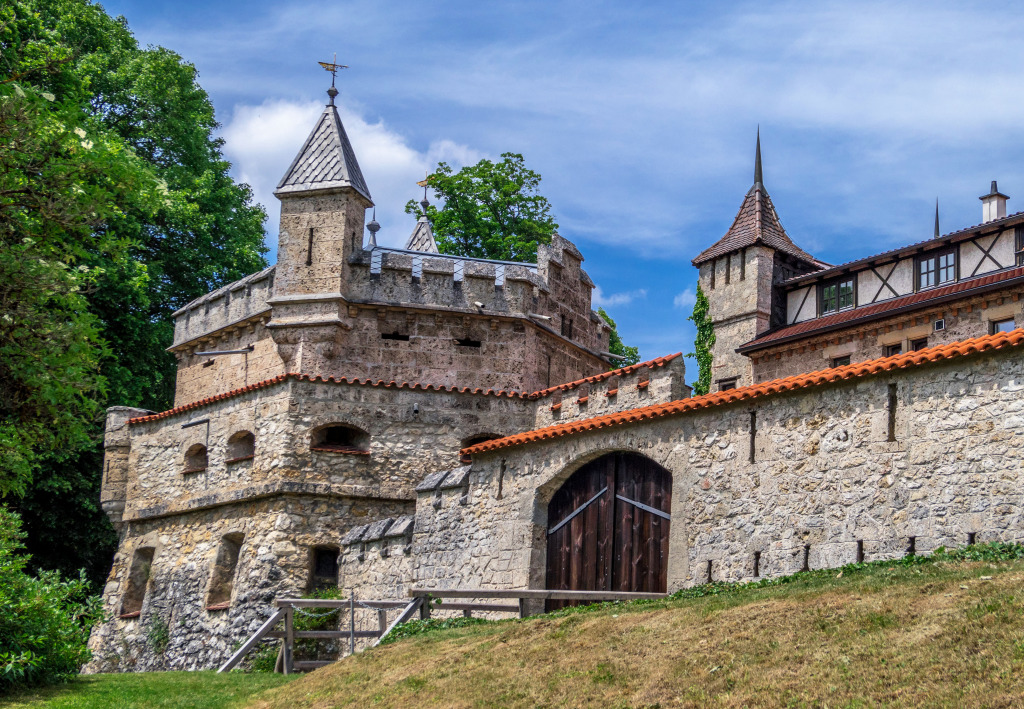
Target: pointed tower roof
422, 237
756, 223
326, 160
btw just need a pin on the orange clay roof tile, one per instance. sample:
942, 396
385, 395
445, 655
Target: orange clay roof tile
800, 381
621, 371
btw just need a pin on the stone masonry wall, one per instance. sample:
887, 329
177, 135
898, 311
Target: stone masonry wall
824, 477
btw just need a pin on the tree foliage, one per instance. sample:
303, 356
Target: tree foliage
199, 231
44, 621
704, 342
627, 355
491, 210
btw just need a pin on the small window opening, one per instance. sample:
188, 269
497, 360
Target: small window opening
841, 361
860, 551
727, 384
567, 327
997, 326
1019, 245
196, 459
325, 568
709, 571
753, 435
892, 350
728, 269
341, 439
241, 446
807, 558
138, 581
222, 580
466, 342
893, 401
971, 538
757, 564
208, 363
918, 345
743, 264
714, 267
394, 336
912, 546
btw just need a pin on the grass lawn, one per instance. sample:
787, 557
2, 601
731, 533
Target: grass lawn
931, 634
142, 690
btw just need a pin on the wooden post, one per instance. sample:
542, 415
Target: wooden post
522, 607
352, 621
289, 640
467, 613
382, 621
425, 608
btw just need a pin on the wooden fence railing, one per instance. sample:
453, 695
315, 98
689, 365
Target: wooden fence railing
422, 600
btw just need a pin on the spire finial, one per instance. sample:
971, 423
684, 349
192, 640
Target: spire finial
373, 227
758, 178
937, 232
333, 68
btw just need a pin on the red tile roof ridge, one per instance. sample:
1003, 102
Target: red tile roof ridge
975, 345
329, 379
621, 371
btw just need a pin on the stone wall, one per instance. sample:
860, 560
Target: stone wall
962, 319
824, 477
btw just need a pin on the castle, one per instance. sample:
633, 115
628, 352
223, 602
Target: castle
377, 418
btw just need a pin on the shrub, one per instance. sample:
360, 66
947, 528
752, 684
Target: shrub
44, 621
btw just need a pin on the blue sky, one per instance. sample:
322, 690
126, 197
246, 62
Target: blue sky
639, 117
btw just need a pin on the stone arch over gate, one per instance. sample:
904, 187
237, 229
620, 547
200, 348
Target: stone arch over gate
608, 526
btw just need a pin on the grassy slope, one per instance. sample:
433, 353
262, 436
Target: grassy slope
934, 634
152, 690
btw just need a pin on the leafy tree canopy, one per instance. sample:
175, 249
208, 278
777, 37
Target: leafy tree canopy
628, 355
143, 107
491, 210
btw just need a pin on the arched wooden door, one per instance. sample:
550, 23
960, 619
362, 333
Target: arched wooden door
608, 527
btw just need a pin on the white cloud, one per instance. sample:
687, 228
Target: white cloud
606, 301
261, 141
685, 300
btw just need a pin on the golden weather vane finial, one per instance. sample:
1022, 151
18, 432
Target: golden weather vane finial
333, 68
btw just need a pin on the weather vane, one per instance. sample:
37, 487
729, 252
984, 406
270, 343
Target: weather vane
333, 68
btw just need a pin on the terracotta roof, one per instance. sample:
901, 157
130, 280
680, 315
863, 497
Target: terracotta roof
913, 301
755, 223
330, 380
325, 161
952, 237
569, 386
756, 391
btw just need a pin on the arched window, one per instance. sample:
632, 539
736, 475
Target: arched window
340, 438
222, 580
195, 459
241, 446
137, 582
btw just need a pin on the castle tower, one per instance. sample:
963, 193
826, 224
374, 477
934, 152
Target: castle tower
739, 274
324, 199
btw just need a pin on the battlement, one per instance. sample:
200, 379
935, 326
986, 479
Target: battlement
227, 306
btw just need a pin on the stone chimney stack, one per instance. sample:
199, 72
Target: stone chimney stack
993, 205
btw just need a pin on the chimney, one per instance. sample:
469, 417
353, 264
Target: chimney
993, 205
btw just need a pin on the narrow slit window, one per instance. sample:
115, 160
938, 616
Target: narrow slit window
757, 564
138, 582
225, 568
860, 551
912, 546
893, 401
753, 435
1019, 245
467, 342
394, 336
710, 579
807, 558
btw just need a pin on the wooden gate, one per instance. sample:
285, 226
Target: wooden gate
608, 527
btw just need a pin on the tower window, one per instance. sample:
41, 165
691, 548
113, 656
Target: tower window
836, 296
325, 567
196, 459
338, 438
138, 582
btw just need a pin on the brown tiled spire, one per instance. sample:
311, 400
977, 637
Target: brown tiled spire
756, 223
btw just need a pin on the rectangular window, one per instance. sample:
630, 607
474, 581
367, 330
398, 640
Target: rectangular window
726, 384
936, 269
1001, 326
841, 361
1019, 245
325, 567
837, 295
918, 345
896, 349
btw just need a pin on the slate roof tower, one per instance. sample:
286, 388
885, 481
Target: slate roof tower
740, 274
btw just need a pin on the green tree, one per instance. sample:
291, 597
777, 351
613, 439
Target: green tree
491, 210
203, 232
704, 342
627, 355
